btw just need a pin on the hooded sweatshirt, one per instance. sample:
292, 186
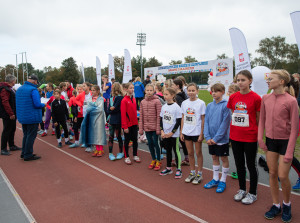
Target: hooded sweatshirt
180, 97
217, 122
150, 115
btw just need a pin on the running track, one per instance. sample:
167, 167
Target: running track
68, 185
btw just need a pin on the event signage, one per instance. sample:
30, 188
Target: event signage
295, 16
111, 67
98, 72
127, 73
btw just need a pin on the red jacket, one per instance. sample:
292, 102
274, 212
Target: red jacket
128, 112
69, 91
5, 99
150, 115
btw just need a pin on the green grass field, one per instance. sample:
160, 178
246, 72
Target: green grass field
207, 98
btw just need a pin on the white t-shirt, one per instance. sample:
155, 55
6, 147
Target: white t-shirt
192, 111
87, 100
169, 114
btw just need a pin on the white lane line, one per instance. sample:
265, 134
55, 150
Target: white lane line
18, 198
130, 185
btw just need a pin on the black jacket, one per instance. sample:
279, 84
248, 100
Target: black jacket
115, 115
180, 97
59, 111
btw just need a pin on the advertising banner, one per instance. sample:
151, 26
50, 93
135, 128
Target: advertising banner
98, 73
295, 16
111, 67
127, 74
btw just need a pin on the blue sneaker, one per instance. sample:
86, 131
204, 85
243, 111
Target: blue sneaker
120, 156
83, 146
297, 186
221, 187
74, 145
273, 212
211, 184
112, 157
286, 213
163, 151
161, 156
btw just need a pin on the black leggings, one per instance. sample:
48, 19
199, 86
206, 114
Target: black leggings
115, 128
138, 103
248, 150
132, 135
63, 124
76, 127
296, 165
171, 144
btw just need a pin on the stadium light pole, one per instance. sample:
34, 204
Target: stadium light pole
141, 41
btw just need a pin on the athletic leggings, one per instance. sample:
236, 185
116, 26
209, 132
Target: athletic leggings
248, 150
115, 128
132, 135
184, 149
153, 145
172, 144
63, 124
296, 165
76, 127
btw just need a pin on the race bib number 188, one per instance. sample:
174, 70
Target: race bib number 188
241, 120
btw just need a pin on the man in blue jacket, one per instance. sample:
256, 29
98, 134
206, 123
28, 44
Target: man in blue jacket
29, 114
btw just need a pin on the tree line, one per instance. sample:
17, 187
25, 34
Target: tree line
273, 52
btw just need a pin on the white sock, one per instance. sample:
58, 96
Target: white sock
287, 204
216, 170
66, 139
224, 174
45, 131
277, 205
193, 172
199, 173
77, 142
59, 140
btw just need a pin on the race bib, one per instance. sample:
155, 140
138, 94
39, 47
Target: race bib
190, 119
78, 109
169, 119
241, 120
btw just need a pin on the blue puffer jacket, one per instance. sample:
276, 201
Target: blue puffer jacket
28, 104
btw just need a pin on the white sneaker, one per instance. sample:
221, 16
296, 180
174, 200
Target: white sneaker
240, 195
137, 159
249, 199
89, 149
127, 161
197, 179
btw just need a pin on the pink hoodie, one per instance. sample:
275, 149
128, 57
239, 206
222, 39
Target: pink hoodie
279, 116
150, 115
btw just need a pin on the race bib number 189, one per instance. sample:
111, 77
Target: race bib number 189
241, 120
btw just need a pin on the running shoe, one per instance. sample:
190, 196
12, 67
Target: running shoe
297, 185
166, 172
44, 134
74, 145
137, 159
100, 153
89, 149
53, 133
185, 162
234, 175
68, 143
152, 164
190, 178
128, 161
120, 156
178, 174
221, 187
273, 212
40, 132
286, 213
70, 137
240, 195
162, 156
249, 199
163, 151
158, 165
59, 145
111, 157
211, 184
95, 153
197, 179
83, 146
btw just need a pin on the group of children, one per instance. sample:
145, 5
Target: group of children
176, 115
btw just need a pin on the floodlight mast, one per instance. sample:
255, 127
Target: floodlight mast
141, 41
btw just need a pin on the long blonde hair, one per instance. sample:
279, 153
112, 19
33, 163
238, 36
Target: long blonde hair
285, 76
117, 90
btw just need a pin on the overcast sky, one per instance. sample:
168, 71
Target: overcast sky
53, 30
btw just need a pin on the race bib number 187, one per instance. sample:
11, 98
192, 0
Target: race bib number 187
241, 120
190, 119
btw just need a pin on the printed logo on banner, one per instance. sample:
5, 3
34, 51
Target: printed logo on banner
127, 68
241, 57
110, 71
240, 107
222, 69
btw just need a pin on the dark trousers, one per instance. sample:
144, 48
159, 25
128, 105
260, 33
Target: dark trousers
29, 135
296, 165
132, 135
8, 133
248, 150
171, 144
115, 128
138, 103
63, 124
153, 145
76, 127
